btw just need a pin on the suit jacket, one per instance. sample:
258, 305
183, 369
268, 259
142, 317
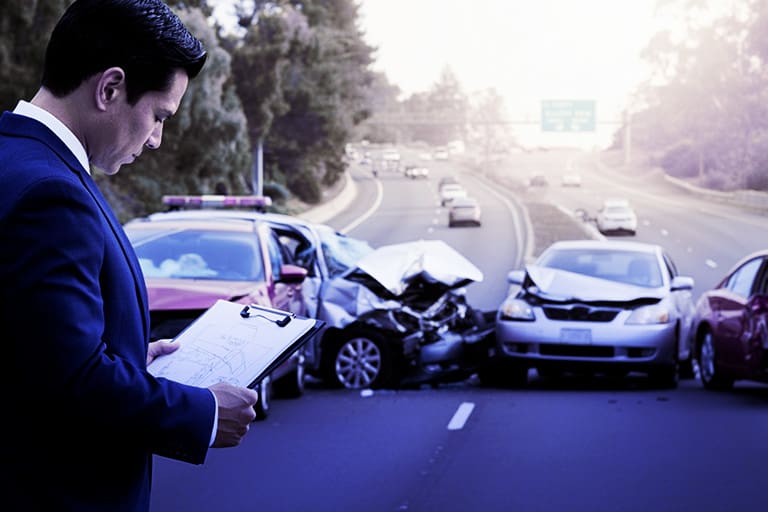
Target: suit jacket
83, 416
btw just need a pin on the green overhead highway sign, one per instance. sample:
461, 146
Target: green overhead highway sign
568, 115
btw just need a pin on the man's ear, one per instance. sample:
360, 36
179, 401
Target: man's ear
109, 87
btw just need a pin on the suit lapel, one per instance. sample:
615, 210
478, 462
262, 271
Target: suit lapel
125, 246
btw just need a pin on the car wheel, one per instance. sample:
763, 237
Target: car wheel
360, 360
711, 376
291, 385
264, 389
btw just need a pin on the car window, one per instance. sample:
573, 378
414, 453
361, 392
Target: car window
298, 251
275, 250
762, 287
341, 252
198, 254
671, 267
743, 278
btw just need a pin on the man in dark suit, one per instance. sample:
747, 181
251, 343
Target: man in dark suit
82, 416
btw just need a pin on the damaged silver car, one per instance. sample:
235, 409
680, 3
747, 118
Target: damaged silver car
593, 306
395, 316
400, 317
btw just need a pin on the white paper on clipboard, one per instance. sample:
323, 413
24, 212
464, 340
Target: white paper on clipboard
223, 346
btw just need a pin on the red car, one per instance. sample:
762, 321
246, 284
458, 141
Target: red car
189, 264
731, 326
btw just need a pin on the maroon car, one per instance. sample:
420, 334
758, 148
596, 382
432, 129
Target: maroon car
189, 264
731, 326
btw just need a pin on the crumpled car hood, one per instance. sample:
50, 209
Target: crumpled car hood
561, 285
394, 266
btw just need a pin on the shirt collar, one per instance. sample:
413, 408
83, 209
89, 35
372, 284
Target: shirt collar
24, 108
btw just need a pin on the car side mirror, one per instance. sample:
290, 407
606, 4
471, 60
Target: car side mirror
680, 283
292, 274
516, 277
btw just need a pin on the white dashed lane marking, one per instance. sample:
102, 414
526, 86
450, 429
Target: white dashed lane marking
461, 416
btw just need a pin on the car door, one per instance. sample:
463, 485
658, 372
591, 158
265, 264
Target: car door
731, 315
755, 337
684, 305
286, 278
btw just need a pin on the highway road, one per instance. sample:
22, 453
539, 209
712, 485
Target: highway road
572, 444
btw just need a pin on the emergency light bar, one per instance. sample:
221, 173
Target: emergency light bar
217, 201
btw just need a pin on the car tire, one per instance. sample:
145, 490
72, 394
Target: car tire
711, 375
359, 359
264, 388
292, 384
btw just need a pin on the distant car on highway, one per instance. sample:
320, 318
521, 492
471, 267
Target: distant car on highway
538, 180
731, 326
441, 154
570, 180
595, 306
616, 216
451, 191
464, 211
414, 172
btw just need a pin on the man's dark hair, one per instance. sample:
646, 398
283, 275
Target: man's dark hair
143, 37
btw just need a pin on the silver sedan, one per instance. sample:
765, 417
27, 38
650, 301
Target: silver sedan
594, 306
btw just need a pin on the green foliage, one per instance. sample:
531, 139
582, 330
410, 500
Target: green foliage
705, 107
302, 73
681, 161
22, 49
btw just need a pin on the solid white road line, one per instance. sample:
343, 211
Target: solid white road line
461, 416
379, 195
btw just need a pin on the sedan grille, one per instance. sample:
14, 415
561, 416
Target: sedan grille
580, 314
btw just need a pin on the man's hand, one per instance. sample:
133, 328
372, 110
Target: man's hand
160, 347
235, 413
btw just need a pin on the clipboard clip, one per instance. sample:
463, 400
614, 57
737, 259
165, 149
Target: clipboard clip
281, 322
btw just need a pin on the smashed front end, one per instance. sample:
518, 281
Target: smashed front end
412, 295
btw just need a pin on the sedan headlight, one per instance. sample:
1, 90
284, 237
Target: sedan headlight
516, 309
647, 315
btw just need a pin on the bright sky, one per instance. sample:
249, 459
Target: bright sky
528, 50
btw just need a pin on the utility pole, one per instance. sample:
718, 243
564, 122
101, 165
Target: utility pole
627, 137
258, 170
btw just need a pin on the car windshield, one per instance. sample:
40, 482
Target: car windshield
340, 251
629, 267
618, 210
197, 254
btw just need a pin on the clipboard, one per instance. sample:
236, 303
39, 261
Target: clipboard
236, 344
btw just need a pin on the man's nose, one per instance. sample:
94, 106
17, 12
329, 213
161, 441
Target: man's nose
153, 142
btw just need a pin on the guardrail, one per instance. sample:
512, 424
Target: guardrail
753, 199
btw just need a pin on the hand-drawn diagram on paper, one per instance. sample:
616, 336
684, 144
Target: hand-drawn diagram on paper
223, 346
213, 355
